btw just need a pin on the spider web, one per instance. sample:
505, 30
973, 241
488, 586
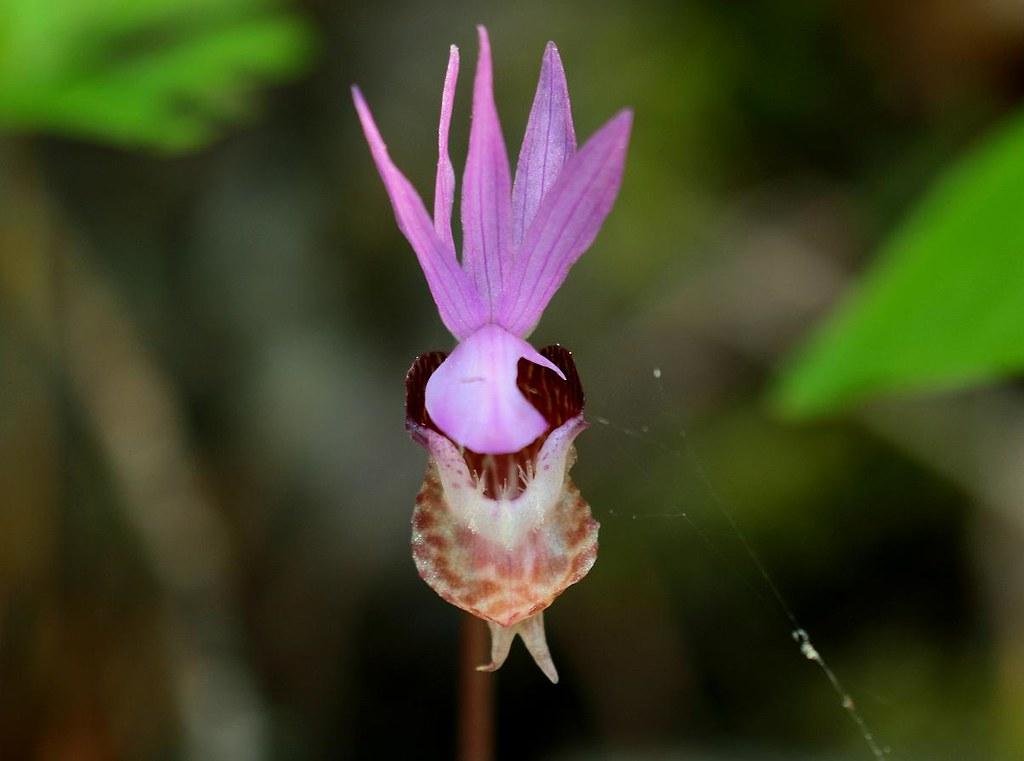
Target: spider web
751, 571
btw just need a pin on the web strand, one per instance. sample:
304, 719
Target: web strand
774, 598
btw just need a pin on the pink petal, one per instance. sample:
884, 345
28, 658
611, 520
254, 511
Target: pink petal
473, 397
567, 221
460, 308
486, 189
444, 187
548, 143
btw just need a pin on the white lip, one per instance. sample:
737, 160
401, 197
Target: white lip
506, 519
503, 559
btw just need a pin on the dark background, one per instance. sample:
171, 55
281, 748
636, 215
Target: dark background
205, 486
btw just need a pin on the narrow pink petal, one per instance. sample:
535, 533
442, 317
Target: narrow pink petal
486, 190
567, 221
473, 396
548, 143
444, 187
460, 308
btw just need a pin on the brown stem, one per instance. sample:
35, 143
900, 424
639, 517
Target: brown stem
476, 693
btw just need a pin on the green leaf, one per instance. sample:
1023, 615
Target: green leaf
164, 73
943, 305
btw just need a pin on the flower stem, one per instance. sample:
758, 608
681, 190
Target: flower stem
476, 693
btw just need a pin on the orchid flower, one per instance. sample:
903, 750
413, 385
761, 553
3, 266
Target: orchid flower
499, 528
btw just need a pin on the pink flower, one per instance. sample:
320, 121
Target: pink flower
499, 528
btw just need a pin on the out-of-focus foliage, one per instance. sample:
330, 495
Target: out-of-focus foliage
157, 72
944, 304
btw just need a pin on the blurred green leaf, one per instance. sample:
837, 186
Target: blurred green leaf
163, 73
944, 304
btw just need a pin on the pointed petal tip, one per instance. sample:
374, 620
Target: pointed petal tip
547, 668
620, 126
551, 673
457, 302
366, 118
483, 38
531, 630
444, 183
484, 44
566, 222
377, 145
453, 60
486, 208
365, 115
552, 58
453, 55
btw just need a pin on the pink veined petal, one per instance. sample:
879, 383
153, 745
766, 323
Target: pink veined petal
486, 190
548, 143
460, 308
567, 221
444, 187
473, 396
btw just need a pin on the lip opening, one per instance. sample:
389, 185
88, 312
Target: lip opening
558, 401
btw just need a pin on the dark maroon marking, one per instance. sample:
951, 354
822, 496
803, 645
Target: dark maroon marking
422, 520
498, 471
556, 399
578, 533
437, 542
479, 591
444, 572
583, 525
464, 536
416, 386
